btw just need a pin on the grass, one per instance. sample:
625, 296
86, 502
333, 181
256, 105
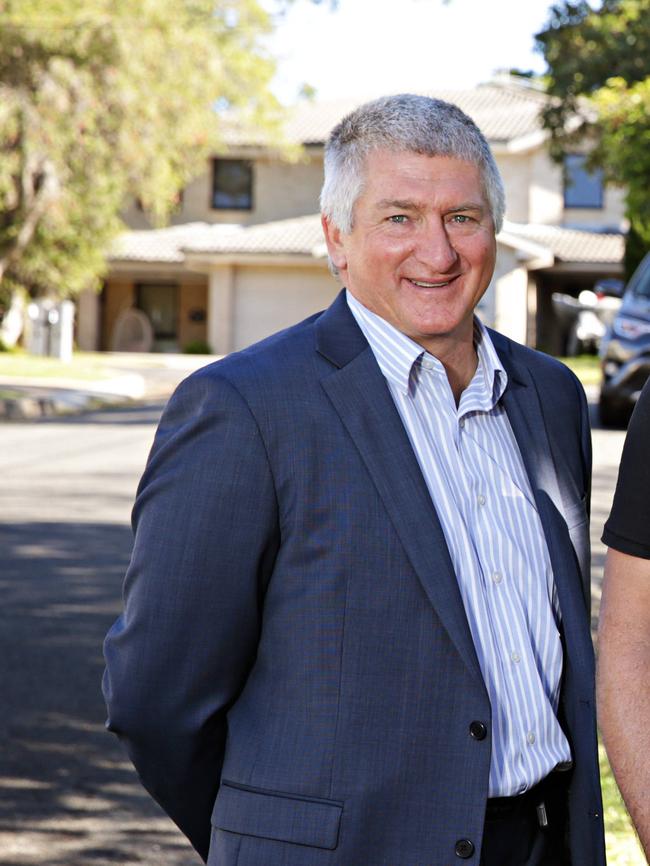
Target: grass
623, 848
586, 368
84, 366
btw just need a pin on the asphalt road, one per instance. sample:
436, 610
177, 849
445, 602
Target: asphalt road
68, 795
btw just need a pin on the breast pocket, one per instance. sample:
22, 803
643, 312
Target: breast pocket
275, 815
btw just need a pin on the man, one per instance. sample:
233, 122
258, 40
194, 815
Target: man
624, 627
356, 628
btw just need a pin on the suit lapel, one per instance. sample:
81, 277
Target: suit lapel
360, 395
522, 404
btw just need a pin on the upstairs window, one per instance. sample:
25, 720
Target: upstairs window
232, 184
582, 188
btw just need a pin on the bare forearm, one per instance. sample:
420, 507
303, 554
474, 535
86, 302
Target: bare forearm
624, 682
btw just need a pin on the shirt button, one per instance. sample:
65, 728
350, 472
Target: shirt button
478, 730
497, 577
461, 423
480, 499
530, 737
464, 849
515, 657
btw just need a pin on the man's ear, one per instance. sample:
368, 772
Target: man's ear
335, 245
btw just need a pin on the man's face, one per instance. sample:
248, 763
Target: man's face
422, 249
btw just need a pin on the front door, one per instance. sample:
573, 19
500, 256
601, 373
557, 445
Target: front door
160, 302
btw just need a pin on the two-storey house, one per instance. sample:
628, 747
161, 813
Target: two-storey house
244, 256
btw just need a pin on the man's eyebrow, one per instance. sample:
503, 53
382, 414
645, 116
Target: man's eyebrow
411, 204
398, 204
468, 205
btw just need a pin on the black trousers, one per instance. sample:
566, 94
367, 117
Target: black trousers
529, 830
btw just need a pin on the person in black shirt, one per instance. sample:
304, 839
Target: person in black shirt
624, 629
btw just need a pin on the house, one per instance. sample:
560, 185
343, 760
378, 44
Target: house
245, 256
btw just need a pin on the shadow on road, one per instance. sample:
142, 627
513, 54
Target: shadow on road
138, 413
69, 796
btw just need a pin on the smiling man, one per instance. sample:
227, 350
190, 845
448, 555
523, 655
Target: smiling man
356, 627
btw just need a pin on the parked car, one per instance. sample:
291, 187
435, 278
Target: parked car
625, 351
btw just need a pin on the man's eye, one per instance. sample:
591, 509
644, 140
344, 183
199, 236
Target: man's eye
460, 218
398, 218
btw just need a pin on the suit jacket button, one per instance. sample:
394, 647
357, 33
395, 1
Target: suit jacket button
464, 849
478, 730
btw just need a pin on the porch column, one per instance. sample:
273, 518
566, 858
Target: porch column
88, 320
221, 303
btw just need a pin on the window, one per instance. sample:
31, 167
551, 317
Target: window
582, 188
232, 184
160, 302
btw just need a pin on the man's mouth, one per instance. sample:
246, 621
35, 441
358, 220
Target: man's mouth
423, 285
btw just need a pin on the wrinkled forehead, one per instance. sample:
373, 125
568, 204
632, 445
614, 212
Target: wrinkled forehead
398, 172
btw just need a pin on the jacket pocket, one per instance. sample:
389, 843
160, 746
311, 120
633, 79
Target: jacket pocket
274, 815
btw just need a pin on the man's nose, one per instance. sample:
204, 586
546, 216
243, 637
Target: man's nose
435, 249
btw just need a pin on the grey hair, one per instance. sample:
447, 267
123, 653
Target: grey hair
405, 122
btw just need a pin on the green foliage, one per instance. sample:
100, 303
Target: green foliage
599, 80
103, 100
197, 347
624, 116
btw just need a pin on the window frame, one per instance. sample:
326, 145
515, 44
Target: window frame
246, 163
594, 178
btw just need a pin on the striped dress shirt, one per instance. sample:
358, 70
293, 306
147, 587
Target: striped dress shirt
473, 469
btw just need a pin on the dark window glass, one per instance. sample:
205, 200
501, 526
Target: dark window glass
582, 188
232, 184
160, 302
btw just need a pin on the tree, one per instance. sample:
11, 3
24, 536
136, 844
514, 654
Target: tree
102, 100
599, 82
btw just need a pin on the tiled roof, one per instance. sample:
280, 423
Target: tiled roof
572, 245
159, 245
504, 112
296, 236
303, 236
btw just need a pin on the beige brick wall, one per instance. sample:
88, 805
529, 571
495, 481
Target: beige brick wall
515, 171
118, 295
280, 190
534, 193
510, 287
284, 190
546, 193
193, 298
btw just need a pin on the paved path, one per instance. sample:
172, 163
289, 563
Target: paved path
68, 795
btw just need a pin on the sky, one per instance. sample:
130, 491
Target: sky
368, 47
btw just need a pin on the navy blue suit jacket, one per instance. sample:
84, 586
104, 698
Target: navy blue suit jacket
293, 674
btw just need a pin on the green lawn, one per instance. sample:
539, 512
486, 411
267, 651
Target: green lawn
84, 365
623, 848
586, 368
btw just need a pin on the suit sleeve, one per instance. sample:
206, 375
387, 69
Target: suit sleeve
205, 525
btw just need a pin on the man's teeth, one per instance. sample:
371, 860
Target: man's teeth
430, 285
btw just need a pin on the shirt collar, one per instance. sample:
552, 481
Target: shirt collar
396, 354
